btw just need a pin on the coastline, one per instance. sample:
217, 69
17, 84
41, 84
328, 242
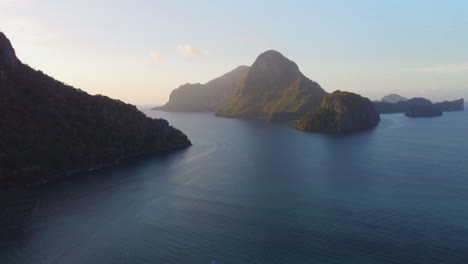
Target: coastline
81, 171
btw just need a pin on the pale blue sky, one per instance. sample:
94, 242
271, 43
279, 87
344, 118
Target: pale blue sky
138, 51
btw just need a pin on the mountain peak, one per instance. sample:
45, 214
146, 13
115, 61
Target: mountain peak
7, 53
271, 53
273, 88
271, 70
273, 60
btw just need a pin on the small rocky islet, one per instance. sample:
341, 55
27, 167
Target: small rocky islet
341, 112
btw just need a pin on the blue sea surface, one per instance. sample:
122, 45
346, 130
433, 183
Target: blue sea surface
255, 192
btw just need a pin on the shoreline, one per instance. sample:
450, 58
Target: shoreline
80, 171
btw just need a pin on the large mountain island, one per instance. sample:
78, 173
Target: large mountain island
49, 128
275, 89
341, 112
209, 97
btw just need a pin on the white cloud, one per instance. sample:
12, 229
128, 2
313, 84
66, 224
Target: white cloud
155, 57
443, 69
190, 52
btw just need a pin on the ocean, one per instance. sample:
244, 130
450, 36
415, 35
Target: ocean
250, 191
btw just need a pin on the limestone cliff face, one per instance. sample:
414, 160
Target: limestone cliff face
339, 112
209, 97
275, 89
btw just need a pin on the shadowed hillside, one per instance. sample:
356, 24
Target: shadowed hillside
209, 97
49, 128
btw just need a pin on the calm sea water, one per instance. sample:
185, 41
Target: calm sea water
254, 192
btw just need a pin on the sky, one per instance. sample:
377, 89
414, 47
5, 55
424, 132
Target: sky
139, 51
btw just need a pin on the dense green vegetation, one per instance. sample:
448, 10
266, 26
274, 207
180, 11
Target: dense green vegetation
341, 111
275, 89
49, 128
321, 117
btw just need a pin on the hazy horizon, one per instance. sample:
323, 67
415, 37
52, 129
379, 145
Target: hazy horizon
139, 52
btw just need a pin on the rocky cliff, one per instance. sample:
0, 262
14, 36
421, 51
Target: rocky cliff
341, 112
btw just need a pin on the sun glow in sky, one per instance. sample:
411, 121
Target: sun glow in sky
138, 51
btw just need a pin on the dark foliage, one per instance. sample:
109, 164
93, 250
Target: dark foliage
49, 128
340, 112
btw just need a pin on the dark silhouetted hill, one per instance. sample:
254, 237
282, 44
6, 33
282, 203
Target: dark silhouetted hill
49, 128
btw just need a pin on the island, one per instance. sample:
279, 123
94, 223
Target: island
423, 111
273, 89
50, 130
341, 112
393, 98
395, 105
449, 106
209, 97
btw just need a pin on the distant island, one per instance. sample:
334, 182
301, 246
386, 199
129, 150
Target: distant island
413, 106
423, 111
393, 98
209, 97
273, 89
50, 129
341, 112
